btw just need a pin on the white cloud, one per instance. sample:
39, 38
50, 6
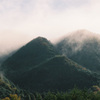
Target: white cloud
11, 40
49, 18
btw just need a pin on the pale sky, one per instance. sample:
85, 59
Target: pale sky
23, 20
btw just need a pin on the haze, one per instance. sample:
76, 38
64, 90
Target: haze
23, 20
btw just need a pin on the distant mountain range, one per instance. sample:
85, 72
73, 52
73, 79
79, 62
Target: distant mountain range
42, 66
57, 73
82, 47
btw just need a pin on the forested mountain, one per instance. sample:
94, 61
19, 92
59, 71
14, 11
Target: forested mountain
82, 47
27, 57
57, 73
8, 91
7, 88
3, 57
37, 66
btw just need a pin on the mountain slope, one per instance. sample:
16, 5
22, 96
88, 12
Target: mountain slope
58, 73
30, 55
38, 67
7, 88
8, 91
82, 47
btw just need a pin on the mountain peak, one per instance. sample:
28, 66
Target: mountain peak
40, 38
83, 34
82, 47
33, 53
84, 31
39, 41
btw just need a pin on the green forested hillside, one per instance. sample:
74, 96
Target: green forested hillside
57, 73
83, 49
27, 57
7, 88
8, 91
37, 66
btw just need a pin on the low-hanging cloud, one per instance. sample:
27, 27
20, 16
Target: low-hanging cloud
11, 40
27, 19
76, 41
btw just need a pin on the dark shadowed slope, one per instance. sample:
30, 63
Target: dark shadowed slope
30, 55
7, 88
38, 67
8, 91
58, 73
83, 47
3, 57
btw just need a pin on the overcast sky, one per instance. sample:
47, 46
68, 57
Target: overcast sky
23, 20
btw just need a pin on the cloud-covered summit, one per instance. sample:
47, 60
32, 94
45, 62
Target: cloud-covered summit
24, 20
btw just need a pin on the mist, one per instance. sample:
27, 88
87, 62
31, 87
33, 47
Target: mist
74, 42
10, 41
49, 18
24, 20
1, 75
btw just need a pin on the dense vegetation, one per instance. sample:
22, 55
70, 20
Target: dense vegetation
82, 49
9, 91
33, 53
27, 57
39, 67
58, 73
74, 94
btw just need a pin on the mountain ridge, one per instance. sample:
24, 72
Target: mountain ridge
85, 50
39, 65
54, 74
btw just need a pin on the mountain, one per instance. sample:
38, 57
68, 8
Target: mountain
37, 66
2, 59
57, 73
5, 56
27, 57
82, 47
8, 91
7, 87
